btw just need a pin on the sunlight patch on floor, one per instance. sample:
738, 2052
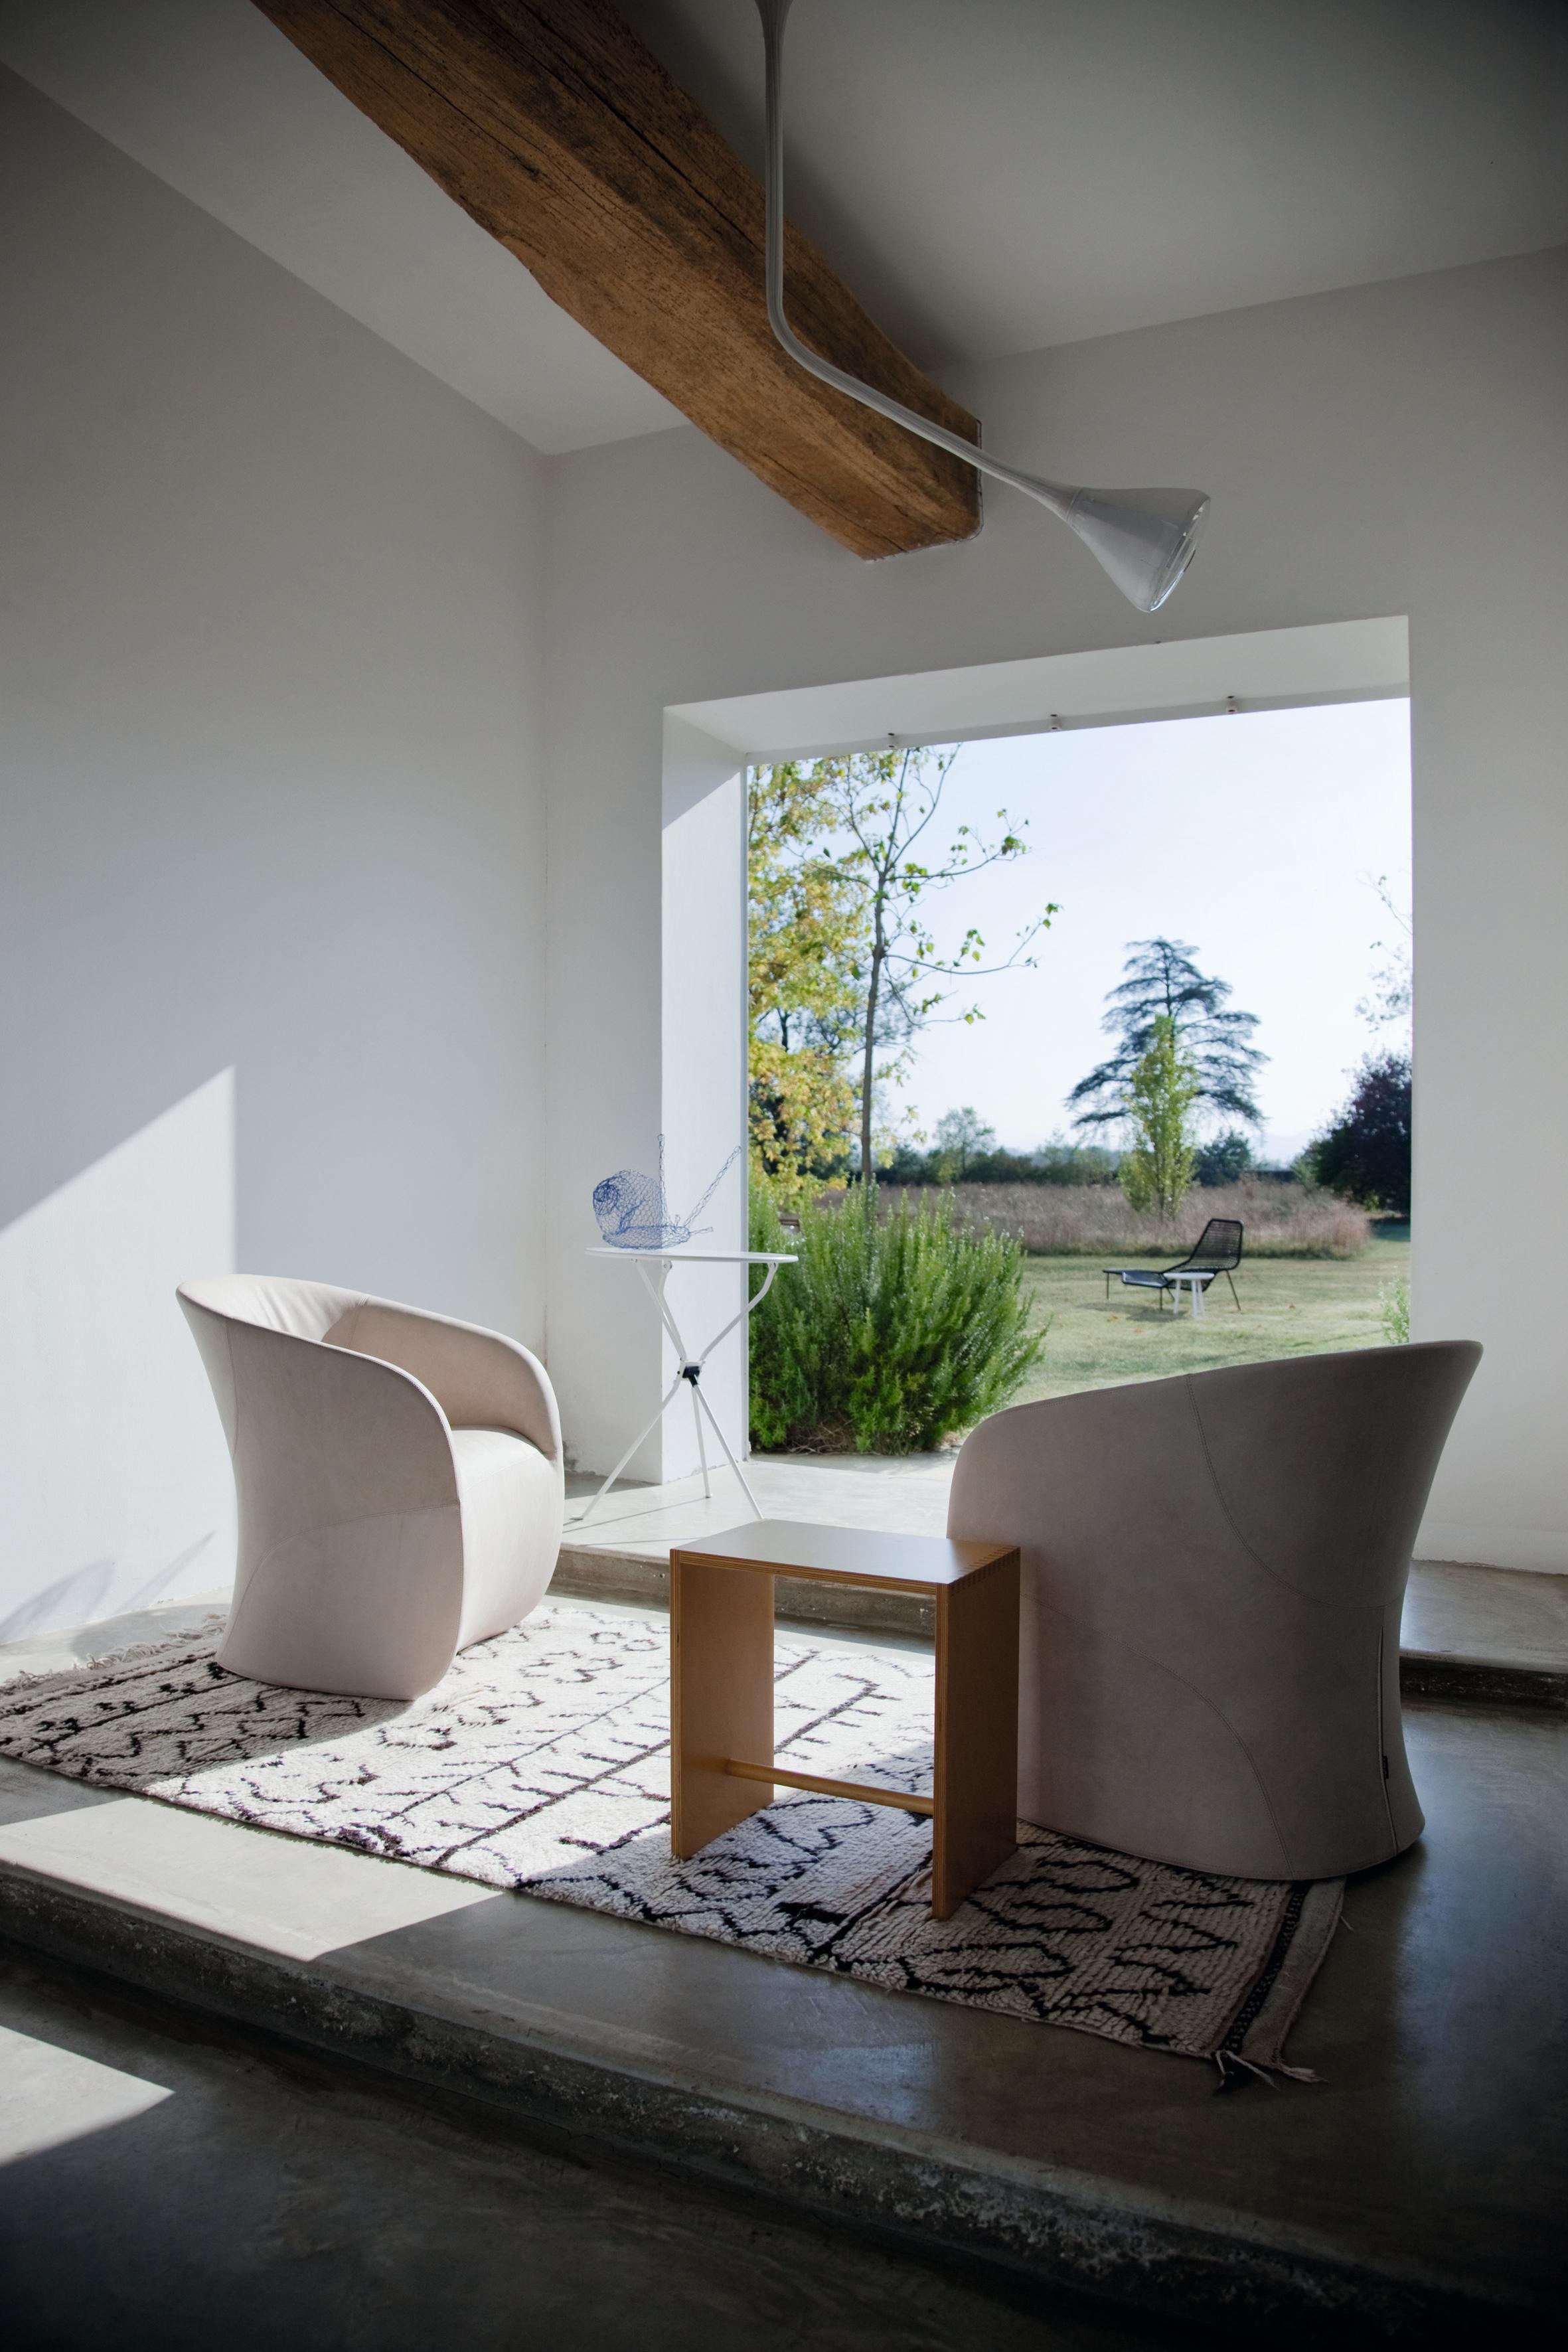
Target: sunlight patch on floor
50, 2096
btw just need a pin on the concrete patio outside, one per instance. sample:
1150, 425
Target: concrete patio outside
1469, 1632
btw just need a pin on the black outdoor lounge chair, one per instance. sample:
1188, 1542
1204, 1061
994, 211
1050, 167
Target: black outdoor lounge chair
1218, 1252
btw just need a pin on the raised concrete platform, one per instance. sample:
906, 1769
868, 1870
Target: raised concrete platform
1419, 2188
173, 2179
1492, 1634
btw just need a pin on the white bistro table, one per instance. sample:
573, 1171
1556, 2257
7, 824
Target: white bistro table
654, 1268
1198, 1282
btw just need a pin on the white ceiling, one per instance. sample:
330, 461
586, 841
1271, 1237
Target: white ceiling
210, 97
994, 175
990, 175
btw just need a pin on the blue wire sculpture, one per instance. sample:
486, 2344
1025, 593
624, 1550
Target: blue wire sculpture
634, 1214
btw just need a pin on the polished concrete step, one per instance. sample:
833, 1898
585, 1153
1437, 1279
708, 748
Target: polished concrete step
1413, 2193
180, 2182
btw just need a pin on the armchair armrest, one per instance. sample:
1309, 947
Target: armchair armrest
480, 1378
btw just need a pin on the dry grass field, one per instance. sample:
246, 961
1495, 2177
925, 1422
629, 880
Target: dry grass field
1062, 1220
1290, 1307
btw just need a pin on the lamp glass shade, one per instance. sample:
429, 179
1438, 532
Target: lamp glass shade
1143, 538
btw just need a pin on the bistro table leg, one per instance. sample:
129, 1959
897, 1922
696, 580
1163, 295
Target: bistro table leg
701, 1442
667, 1400
721, 1697
977, 1782
718, 1432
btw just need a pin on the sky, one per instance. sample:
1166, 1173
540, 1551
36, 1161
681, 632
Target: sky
1256, 838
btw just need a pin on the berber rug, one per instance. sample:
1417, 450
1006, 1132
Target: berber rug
541, 1762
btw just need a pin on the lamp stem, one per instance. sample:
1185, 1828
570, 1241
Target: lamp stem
1053, 495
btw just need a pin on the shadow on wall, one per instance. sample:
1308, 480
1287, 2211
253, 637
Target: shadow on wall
115, 1488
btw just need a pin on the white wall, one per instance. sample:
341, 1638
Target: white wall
703, 1048
269, 693
1393, 449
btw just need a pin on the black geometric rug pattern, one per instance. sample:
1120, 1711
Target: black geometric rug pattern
541, 1761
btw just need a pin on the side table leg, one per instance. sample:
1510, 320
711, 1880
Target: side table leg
646, 1430
757, 1510
721, 1697
976, 1786
701, 1442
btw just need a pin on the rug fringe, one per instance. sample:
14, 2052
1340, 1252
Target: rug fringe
38, 1686
1265, 2069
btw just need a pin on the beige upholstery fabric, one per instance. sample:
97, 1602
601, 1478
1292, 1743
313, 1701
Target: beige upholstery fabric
400, 1481
1213, 1574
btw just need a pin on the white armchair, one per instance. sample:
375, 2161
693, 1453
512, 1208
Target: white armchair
400, 1483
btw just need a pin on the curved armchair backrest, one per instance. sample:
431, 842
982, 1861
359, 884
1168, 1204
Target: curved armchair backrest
1213, 1573
479, 1379
340, 1410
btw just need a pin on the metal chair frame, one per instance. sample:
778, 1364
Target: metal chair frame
1156, 1278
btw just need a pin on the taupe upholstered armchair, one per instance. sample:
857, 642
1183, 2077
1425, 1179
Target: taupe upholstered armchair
400, 1483
1213, 1573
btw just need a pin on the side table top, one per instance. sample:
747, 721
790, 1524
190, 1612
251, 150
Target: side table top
698, 1257
845, 1555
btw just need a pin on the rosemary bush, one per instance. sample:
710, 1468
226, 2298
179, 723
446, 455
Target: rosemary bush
891, 1333
1393, 1312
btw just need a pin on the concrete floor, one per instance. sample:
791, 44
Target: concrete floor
168, 2181
1427, 2171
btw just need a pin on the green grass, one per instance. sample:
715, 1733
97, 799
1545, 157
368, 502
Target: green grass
1290, 1307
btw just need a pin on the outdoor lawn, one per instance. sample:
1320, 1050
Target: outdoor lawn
1290, 1307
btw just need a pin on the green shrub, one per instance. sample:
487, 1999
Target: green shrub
1393, 1312
892, 1332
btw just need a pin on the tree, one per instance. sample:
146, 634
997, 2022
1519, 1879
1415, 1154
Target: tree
1162, 983
1158, 1170
1225, 1160
807, 935
961, 1136
1365, 1154
886, 802
1387, 1002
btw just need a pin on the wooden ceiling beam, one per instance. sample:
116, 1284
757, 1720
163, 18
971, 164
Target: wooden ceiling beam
551, 123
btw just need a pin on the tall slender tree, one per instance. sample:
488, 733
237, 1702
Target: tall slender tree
1387, 1002
887, 804
1162, 983
846, 967
1158, 1169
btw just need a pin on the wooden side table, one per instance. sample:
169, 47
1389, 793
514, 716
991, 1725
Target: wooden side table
722, 1686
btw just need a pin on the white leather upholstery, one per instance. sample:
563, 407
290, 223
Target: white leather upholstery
400, 1481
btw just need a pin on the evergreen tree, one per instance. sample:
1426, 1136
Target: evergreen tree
1162, 983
